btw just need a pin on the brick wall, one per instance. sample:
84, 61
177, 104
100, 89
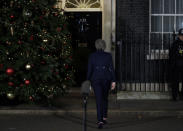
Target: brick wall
131, 55
132, 15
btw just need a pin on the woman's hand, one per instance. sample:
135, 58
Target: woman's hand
113, 85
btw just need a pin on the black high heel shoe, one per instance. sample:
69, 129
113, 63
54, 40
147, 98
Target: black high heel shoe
100, 125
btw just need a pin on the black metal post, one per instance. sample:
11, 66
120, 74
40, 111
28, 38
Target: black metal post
85, 98
119, 64
174, 35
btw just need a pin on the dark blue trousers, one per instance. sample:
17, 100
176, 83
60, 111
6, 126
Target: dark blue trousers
101, 90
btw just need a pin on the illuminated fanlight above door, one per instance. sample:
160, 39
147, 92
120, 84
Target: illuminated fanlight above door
80, 5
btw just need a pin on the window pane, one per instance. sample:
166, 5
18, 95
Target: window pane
179, 22
179, 6
157, 6
168, 24
167, 40
169, 6
156, 25
156, 40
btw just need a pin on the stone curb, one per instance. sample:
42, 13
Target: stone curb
158, 113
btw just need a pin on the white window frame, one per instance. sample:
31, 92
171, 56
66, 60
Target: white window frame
162, 17
160, 53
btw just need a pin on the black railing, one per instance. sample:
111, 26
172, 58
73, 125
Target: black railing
141, 65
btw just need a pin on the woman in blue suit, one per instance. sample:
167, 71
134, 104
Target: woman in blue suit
102, 77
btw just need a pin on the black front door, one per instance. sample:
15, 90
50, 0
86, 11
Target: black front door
85, 28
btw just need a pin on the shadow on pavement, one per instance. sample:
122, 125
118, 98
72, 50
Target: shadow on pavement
116, 122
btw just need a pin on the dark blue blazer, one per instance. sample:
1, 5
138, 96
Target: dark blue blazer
100, 66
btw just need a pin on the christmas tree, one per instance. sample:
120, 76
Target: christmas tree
35, 50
